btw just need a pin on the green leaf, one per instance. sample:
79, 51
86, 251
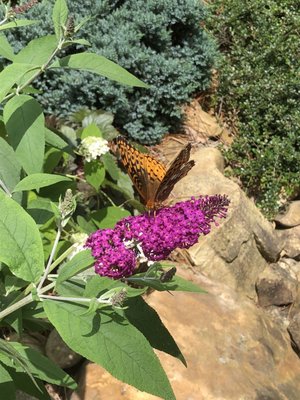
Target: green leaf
86, 226
37, 51
56, 141
40, 366
99, 65
97, 285
59, 17
176, 284
82, 23
110, 166
147, 321
8, 390
40, 210
12, 283
73, 287
82, 42
91, 130
25, 384
24, 121
108, 217
36, 181
104, 120
125, 184
94, 173
51, 159
17, 23
109, 340
78, 263
21, 245
10, 169
12, 74
6, 50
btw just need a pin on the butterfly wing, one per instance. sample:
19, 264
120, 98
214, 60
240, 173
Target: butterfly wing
178, 169
145, 172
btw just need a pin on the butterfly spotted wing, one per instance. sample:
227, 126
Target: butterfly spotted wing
151, 179
177, 170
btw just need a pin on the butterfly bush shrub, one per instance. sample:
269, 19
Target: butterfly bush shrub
259, 92
56, 189
163, 43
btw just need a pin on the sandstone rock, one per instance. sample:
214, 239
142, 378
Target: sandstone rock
203, 125
97, 384
59, 352
294, 331
291, 217
238, 250
292, 266
233, 351
291, 241
275, 286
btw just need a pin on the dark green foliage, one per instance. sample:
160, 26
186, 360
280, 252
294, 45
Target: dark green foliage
161, 42
260, 81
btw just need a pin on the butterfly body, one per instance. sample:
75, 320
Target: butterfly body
150, 177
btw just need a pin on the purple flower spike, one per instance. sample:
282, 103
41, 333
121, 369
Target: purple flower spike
153, 236
113, 259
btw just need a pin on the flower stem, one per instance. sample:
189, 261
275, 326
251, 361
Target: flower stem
23, 302
47, 270
74, 299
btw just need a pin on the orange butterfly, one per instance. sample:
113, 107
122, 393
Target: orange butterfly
151, 179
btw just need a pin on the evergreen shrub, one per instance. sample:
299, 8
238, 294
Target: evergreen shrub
160, 42
259, 83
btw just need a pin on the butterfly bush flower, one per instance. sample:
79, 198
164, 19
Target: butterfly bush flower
153, 236
92, 147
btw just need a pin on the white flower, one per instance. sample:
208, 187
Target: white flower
92, 147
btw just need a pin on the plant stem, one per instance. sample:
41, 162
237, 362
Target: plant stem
26, 300
74, 299
47, 270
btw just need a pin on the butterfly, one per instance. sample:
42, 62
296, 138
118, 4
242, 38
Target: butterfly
150, 177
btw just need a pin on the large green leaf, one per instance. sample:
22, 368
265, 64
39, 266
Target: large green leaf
59, 17
8, 390
24, 121
6, 50
99, 65
37, 51
147, 321
39, 366
36, 181
78, 263
12, 74
56, 141
111, 341
40, 210
10, 168
21, 246
17, 23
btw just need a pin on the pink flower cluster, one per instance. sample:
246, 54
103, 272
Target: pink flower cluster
154, 235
